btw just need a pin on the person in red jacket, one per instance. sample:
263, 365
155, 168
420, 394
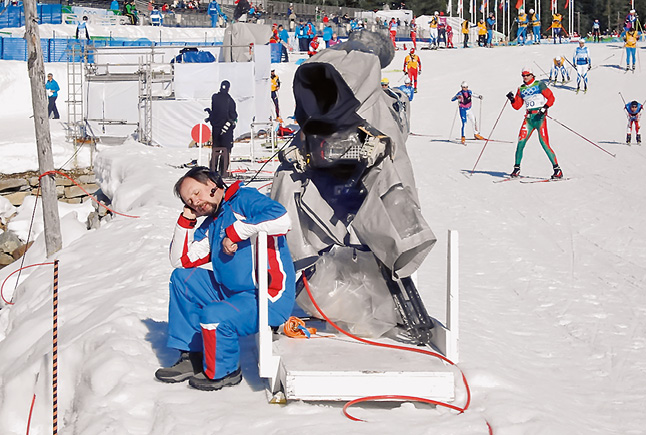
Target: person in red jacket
537, 98
314, 45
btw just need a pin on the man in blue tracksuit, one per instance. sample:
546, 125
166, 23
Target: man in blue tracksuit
209, 310
214, 12
52, 89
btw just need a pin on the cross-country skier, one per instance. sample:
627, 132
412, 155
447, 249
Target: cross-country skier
413, 67
631, 38
559, 67
537, 98
633, 111
464, 97
596, 31
583, 64
408, 88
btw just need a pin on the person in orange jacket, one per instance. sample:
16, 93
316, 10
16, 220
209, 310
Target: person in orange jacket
413, 67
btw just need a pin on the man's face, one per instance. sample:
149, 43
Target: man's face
50, 77
527, 78
198, 196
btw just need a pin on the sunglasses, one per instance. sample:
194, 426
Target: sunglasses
526, 75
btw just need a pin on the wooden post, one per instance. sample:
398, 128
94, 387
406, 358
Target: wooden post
36, 67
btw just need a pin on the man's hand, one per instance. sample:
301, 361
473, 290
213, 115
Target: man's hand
480, 97
207, 110
543, 110
228, 246
188, 213
589, 66
225, 127
511, 97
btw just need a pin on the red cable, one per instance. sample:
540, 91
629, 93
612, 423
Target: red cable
31, 409
18, 270
393, 346
86, 192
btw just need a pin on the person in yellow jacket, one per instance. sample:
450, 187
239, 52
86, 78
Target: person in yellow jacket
535, 24
559, 67
433, 22
275, 86
557, 26
413, 67
521, 34
465, 32
482, 33
630, 39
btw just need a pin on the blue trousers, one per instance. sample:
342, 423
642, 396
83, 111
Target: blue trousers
630, 52
204, 316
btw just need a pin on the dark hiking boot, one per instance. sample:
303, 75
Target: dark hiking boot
188, 364
516, 172
201, 382
557, 173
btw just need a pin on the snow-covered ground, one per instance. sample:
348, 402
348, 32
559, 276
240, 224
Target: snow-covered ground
553, 324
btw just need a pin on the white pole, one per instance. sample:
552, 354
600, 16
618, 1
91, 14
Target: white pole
453, 298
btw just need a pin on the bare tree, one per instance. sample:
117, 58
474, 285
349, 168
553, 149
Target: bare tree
36, 67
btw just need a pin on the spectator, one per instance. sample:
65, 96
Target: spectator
301, 35
327, 35
81, 27
156, 17
283, 39
52, 89
334, 40
222, 117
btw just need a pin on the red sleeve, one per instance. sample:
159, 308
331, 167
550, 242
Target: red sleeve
518, 101
547, 93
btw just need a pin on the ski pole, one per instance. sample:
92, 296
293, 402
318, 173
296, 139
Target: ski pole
489, 137
453, 124
584, 138
480, 118
539, 67
622, 99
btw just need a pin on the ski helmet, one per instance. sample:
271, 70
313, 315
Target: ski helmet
385, 81
531, 11
581, 41
521, 11
634, 103
527, 71
437, 13
464, 84
407, 81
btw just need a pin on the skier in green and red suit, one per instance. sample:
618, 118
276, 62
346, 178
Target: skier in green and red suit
537, 98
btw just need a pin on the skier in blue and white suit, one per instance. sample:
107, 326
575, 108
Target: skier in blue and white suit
209, 310
583, 64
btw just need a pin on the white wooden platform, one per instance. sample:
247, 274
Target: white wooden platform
340, 368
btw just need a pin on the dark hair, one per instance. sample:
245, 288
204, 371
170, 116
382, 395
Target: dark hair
201, 174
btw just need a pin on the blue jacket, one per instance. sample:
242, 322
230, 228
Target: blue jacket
408, 90
582, 56
284, 36
52, 86
214, 9
327, 33
243, 213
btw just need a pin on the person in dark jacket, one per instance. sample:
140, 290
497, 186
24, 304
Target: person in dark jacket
222, 116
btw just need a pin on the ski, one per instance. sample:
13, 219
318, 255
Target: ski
423, 135
543, 180
520, 177
485, 139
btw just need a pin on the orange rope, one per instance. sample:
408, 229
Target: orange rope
295, 328
16, 271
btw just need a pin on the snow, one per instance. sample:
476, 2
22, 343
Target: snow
552, 308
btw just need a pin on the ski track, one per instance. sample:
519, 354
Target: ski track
552, 306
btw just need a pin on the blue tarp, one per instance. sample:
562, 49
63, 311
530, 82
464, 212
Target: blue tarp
14, 16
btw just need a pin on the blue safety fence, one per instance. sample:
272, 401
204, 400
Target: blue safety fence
60, 49
276, 52
14, 16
